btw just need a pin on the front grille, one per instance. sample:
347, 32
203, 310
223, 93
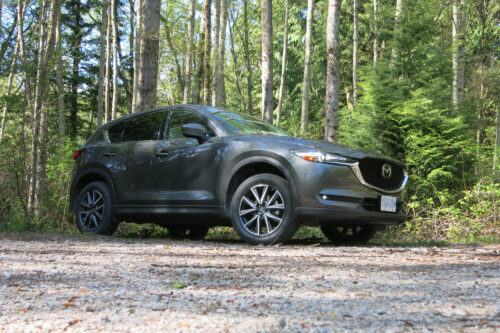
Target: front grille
371, 169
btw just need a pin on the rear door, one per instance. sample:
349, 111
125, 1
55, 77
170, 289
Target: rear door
131, 161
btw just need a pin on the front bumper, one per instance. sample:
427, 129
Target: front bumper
317, 216
337, 193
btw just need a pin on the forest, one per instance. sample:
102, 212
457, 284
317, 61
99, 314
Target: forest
416, 80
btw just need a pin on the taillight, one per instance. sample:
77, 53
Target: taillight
75, 154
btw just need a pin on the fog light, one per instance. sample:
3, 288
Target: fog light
324, 196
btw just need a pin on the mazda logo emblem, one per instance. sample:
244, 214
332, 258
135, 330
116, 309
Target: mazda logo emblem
386, 171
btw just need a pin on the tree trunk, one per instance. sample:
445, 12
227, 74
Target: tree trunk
235, 60
355, 56
455, 51
220, 89
332, 70
102, 62
173, 50
115, 56
108, 65
199, 63
307, 69
75, 76
496, 153
44, 68
9, 88
267, 60
138, 36
59, 80
131, 56
375, 33
397, 24
217, 4
149, 55
247, 59
283, 64
458, 58
37, 106
188, 66
206, 50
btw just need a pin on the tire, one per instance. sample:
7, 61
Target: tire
189, 232
262, 210
348, 234
94, 210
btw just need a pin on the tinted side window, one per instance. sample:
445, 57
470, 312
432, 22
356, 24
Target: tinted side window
179, 118
143, 128
115, 132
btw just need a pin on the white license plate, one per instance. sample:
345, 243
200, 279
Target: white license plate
388, 204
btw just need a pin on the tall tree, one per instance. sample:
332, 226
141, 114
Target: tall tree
395, 46
46, 43
149, 55
375, 33
267, 60
189, 54
216, 19
59, 80
102, 62
332, 70
9, 89
283, 63
207, 87
138, 48
307, 69
458, 40
76, 55
220, 89
355, 54
247, 58
107, 64
114, 33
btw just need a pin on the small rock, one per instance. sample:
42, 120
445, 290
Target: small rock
282, 322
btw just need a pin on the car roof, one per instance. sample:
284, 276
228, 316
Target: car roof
204, 110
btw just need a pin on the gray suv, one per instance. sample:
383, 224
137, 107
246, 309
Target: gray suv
189, 168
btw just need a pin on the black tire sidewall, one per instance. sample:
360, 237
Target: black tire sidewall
289, 225
108, 225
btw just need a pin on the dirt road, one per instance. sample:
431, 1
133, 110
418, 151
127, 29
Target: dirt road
110, 284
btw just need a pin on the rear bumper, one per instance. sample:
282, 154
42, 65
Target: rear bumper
316, 216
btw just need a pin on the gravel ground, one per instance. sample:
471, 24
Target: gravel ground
109, 284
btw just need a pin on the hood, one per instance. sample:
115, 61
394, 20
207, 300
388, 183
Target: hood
303, 144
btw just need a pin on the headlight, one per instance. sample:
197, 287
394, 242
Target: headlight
315, 156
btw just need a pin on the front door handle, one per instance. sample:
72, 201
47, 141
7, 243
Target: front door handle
109, 154
162, 154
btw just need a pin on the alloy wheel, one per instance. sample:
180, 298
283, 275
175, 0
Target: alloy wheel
92, 208
262, 210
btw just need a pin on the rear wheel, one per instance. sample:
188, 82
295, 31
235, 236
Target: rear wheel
348, 234
93, 210
189, 232
262, 210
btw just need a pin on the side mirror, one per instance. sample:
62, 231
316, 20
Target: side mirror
195, 131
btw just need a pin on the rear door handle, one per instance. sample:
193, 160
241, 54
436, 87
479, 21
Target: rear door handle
162, 154
109, 154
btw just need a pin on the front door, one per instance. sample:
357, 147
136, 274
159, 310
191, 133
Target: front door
187, 171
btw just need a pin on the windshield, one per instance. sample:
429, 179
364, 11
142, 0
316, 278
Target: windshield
243, 124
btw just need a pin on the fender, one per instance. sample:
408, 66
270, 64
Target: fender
260, 157
96, 171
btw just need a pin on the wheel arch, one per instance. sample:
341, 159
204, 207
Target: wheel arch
251, 166
86, 177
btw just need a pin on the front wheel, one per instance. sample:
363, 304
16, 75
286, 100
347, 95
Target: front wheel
262, 210
348, 234
93, 210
